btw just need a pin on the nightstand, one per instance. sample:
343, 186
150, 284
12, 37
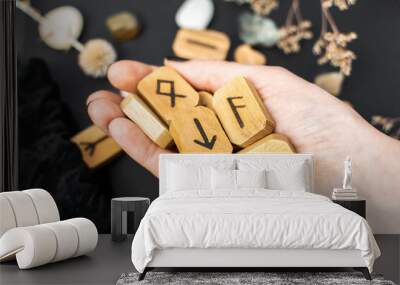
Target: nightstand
358, 206
119, 215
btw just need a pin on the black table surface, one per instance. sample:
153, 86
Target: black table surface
373, 88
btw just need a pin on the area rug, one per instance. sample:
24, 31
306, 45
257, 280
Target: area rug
244, 278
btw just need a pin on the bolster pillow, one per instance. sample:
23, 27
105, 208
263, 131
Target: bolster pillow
26, 208
41, 244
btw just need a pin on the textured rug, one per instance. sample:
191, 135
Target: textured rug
244, 278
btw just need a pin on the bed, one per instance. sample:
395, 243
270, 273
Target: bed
215, 211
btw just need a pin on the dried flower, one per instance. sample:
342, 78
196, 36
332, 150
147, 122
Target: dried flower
341, 4
290, 36
260, 7
96, 56
263, 7
332, 47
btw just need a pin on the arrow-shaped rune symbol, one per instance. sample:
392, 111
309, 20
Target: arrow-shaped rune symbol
206, 143
90, 146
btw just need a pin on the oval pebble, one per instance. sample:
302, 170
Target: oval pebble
195, 14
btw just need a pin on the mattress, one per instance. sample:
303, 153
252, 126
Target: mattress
251, 219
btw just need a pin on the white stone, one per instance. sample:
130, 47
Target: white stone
61, 27
195, 14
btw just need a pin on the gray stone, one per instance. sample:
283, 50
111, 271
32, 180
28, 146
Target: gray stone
255, 29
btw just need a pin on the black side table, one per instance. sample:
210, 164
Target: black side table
119, 215
358, 206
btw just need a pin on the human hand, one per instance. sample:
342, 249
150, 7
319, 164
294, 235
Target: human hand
302, 111
315, 121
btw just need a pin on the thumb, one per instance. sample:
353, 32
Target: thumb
211, 75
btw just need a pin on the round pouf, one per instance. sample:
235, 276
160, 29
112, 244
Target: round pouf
119, 215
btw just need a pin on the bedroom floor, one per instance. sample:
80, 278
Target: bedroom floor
106, 264
389, 262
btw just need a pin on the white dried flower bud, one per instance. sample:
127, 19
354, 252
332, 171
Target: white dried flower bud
96, 56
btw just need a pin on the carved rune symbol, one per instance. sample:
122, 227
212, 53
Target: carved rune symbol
196, 42
206, 142
91, 146
235, 111
171, 92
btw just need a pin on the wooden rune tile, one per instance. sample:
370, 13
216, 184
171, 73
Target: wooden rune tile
201, 44
167, 92
96, 147
197, 130
137, 110
273, 143
242, 112
245, 54
206, 99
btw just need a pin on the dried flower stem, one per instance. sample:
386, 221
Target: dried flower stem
296, 8
295, 30
332, 44
289, 18
323, 24
294, 11
329, 18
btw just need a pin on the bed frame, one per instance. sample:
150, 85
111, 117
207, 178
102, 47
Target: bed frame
249, 259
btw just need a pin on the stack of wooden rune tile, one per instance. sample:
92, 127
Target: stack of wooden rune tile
234, 118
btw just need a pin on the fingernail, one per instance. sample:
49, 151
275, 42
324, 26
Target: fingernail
175, 58
88, 102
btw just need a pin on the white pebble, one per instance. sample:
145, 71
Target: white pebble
195, 14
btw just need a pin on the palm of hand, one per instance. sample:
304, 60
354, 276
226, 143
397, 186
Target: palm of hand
314, 121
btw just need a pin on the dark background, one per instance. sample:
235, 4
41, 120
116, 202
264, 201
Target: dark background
373, 88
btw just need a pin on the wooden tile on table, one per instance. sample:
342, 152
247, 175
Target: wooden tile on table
201, 44
96, 147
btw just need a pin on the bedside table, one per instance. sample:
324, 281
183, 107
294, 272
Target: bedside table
358, 206
119, 215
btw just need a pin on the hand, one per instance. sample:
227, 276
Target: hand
315, 121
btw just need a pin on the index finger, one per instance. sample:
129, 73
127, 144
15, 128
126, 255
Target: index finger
126, 74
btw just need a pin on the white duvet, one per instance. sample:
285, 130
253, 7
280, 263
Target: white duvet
253, 218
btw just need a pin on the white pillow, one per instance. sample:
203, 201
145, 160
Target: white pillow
291, 175
223, 179
236, 179
181, 178
293, 178
191, 174
251, 178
